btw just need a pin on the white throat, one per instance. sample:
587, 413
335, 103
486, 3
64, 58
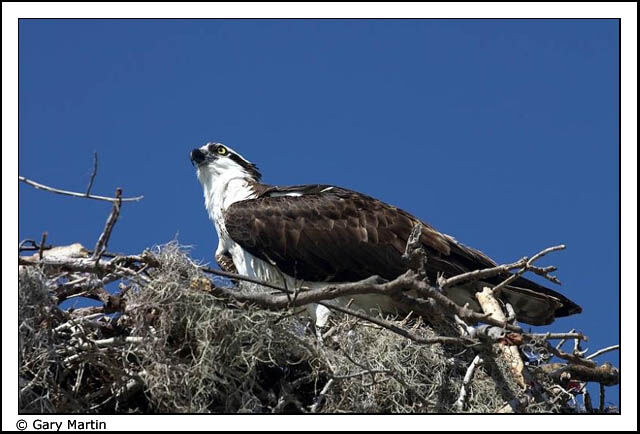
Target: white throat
221, 190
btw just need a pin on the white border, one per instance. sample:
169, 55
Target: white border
627, 11
319, 10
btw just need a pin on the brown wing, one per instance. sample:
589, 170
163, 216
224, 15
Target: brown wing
333, 234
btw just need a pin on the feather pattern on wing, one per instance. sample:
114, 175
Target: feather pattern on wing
326, 233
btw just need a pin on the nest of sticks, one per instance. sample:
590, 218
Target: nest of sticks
165, 336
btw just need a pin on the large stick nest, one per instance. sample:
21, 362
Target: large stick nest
167, 344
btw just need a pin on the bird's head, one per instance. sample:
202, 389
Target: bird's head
215, 160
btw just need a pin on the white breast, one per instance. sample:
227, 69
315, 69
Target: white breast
220, 192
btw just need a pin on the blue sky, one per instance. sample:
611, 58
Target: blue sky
502, 133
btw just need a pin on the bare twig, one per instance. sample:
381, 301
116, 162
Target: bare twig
602, 351
90, 265
401, 331
101, 245
229, 275
562, 336
525, 264
75, 194
481, 274
370, 285
321, 396
277, 302
23, 245
566, 356
511, 317
604, 374
563, 340
528, 266
40, 250
462, 398
109, 342
409, 280
588, 406
94, 173
426, 290
414, 255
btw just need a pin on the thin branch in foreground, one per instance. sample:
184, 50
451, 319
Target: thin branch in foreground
570, 335
462, 398
321, 396
605, 374
481, 274
75, 194
101, 245
23, 245
267, 301
602, 351
587, 399
426, 291
528, 266
94, 173
40, 250
401, 331
566, 356
564, 339
525, 264
370, 285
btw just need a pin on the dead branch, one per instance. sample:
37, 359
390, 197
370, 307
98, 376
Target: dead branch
89, 265
573, 358
279, 302
371, 285
475, 275
75, 194
465, 383
101, 245
602, 351
400, 331
604, 374
93, 174
528, 266
586, 397
450, 307
510, 353
321, 396
549, 335
40, 251
525, 264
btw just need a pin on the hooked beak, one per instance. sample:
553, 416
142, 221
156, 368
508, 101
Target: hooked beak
197, 157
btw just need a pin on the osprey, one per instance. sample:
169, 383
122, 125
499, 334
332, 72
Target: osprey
317, 234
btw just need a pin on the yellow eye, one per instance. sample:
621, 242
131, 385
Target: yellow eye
221, 150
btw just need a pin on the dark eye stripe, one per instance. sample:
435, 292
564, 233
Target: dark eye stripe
250, 167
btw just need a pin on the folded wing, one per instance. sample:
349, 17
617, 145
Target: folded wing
322, 233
